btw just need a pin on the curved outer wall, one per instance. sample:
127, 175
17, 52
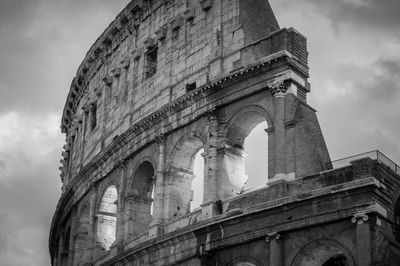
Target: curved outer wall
166, 79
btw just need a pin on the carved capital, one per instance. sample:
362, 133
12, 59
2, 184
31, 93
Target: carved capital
359, 218
121, 164
212, 114
273, 236
160, 139
278, 88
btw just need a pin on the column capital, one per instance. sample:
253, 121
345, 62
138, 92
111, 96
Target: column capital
120, 164
273, 236
212, 113
160, 139
279, 88
359, 218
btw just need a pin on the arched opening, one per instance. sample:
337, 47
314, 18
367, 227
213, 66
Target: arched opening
324, 252
244, 264
141, 200
246, 151
197, 185
107, 218
336, 261
256, 161
185, 181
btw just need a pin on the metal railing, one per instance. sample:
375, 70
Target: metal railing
375, 155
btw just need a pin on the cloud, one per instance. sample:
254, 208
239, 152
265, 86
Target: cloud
362, 14
354, 68
43, 43
29, 185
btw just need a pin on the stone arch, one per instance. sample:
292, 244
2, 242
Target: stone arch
323, 252
238, 128
185, 149
244, 261
140, 199
180, 173
107, 217
242, 123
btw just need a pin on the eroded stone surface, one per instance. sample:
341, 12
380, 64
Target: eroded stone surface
169, 78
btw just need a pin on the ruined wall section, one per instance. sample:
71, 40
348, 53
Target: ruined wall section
151, 54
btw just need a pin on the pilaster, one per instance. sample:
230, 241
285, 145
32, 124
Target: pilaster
363, 238
211, 184
158, 207
275, 249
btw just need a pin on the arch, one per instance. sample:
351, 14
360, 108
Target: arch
185, 150
139, 202
238, 128
107, 217
323, 252
243, 121
180, 173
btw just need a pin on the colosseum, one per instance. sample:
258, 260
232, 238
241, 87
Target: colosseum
170, 78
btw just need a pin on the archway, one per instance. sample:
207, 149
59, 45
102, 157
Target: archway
107, 218
323, 252
181, 188
197, 185
336, 261
141, 200
246, 133
256, 160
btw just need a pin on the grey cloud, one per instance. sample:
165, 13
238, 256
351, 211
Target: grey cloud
363, 14
43, 43
27, 201
368, 115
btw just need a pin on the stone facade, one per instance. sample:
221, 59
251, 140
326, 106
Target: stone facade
168, 78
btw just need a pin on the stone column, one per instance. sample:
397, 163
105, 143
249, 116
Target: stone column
363, 239
119, 241
92, 224
278, 90
158, 206
211, 184
275, 249
128, 221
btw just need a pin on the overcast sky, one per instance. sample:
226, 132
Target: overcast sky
355, 74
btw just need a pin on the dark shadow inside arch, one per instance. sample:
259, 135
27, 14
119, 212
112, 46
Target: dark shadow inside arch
324, 252
141, 205
336, 261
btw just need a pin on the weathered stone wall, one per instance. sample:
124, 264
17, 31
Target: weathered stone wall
169, 78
